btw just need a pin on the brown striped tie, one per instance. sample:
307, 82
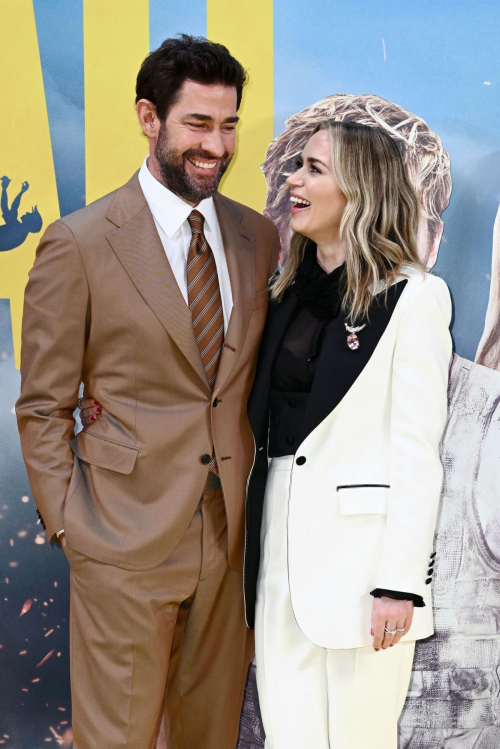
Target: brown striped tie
204, 298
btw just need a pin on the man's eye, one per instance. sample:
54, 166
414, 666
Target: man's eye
299, 164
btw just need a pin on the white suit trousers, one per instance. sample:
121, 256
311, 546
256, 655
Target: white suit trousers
313, 697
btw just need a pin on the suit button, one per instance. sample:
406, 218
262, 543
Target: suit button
300, 461
289, 440
430, 571
214, 404
433, 555
431, 564
292, 402
205, 459
428, 581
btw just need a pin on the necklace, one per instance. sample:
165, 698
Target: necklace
352, 338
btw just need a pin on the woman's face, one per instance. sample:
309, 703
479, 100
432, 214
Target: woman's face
316, 200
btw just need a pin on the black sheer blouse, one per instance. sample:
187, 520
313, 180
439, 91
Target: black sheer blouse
292, 376
319, 295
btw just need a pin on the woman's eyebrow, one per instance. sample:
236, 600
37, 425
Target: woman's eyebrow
312, 160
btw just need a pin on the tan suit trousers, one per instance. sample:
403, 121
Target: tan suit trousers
166, 642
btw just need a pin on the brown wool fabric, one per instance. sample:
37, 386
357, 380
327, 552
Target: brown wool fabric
204, 298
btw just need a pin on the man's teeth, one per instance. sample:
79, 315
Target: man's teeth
300, 201
204, 164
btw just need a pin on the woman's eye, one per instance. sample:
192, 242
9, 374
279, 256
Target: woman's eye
314, 169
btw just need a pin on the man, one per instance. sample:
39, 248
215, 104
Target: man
155, 297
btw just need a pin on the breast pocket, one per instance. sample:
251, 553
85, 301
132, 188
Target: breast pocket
363, 499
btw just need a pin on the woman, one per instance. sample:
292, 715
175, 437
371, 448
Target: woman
349, 405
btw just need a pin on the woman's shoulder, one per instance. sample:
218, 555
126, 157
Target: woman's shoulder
425, 289
417, 277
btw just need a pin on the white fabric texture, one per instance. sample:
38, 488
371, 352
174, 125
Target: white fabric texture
311, 696
170, 214
366, 482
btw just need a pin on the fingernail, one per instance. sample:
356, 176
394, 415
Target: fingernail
96, 403
377, 649
383, 648
391, 646
371, 632
92, 418
99, 410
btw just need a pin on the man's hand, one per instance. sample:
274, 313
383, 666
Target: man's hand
391, 614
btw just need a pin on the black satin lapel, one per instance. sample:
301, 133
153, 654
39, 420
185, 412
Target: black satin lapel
239, 248
140, 251
278, 317
339, 367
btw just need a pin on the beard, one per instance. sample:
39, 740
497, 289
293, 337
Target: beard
175, 176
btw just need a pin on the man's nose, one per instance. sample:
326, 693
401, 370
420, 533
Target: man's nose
213, 143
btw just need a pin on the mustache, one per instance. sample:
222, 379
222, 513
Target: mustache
195, 153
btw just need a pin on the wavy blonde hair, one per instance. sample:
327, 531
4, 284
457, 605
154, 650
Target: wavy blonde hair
379, 223
427, 164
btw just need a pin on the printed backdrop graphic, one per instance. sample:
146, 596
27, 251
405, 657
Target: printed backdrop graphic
429, 73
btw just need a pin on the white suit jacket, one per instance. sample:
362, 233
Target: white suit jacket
366, 481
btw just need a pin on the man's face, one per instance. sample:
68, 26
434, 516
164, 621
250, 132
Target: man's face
197, 139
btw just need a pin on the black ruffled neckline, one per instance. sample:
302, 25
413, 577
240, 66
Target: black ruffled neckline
316, 290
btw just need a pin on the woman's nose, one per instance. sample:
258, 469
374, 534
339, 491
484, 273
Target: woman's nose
294, 180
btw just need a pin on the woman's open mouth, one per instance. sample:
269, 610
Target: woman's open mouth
298, 204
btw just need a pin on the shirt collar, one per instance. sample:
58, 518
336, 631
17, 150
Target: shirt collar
168, 209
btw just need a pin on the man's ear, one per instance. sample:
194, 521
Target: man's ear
148, 118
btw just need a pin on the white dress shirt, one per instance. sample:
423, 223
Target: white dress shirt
170, 214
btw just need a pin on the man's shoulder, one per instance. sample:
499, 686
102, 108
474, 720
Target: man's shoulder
90, 213
250, 217
101, 212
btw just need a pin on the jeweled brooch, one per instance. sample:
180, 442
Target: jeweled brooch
352, 338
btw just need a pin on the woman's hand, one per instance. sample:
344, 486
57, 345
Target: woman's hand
90, 410
391, 614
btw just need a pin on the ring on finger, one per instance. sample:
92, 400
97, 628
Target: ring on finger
80, 401
400, 630
390, 631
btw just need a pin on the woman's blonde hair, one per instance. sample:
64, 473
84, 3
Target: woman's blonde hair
379, 223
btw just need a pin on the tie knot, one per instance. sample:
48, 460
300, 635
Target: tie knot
196, 220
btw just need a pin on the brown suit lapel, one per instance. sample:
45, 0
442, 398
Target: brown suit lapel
239, 246
139, 249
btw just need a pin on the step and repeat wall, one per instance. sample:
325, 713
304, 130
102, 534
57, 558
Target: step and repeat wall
427, 72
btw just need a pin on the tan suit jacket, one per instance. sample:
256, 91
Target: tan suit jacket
102, 306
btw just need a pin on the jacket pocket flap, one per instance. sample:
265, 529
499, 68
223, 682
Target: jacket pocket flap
361, 500
103, 453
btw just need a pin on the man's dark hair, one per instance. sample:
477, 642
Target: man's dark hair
186, 58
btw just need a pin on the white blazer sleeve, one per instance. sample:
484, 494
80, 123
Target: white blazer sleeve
418, 417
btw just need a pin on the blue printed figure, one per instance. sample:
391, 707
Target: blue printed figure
14, 232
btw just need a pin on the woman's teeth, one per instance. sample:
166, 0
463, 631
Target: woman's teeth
203, 164
299, 201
